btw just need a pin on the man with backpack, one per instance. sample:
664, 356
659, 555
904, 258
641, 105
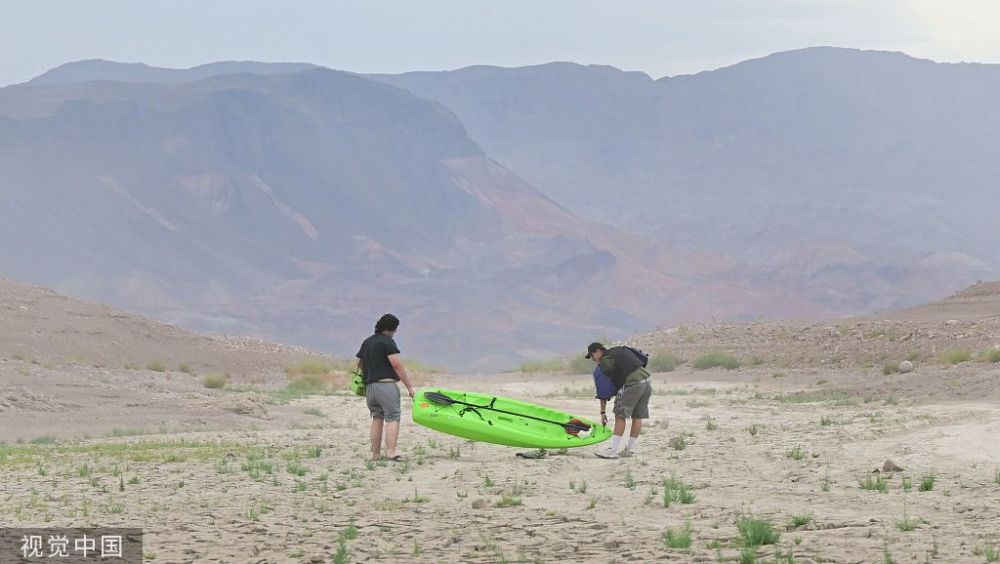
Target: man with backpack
625, 367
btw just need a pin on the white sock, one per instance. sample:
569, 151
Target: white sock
616, 440
631, 442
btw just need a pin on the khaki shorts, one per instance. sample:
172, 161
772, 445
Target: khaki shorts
632, 401
383, 400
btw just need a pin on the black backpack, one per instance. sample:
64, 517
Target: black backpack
643, 357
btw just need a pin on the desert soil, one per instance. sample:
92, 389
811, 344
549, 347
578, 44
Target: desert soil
248, 476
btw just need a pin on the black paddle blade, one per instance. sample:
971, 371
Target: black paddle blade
438, 397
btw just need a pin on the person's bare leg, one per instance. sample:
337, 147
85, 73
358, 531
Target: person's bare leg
620, 426
391, 434
376, 437
636, 427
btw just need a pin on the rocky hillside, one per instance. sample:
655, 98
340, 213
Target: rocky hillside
939, 333
41, 327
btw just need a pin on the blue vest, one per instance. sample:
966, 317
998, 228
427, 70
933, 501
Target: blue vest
606, 389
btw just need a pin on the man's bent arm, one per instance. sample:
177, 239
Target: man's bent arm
397, 365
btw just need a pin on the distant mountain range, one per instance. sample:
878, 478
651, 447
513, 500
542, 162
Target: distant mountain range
504, 214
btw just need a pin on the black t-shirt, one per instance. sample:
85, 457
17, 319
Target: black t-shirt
374, 354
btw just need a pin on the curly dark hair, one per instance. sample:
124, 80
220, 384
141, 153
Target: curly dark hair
387, 322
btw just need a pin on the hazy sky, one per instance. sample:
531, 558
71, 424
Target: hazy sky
660, 37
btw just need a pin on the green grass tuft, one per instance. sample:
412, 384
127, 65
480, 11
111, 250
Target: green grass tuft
678, 539
663, 362
716, 359
874, 483
156, 366
991, 356
676, 491
956, 356
313, 366
926, 483
989, 552
547, 366
756, 532
215, 381
801, 520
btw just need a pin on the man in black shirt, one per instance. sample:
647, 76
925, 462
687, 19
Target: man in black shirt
631, 380
378, 360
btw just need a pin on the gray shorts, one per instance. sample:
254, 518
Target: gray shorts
632, 401
383, 400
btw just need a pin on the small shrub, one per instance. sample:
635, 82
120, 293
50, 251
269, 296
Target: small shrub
711, 425
926, 483
675, 490
663, 362
351, 532
580, 365
507, 500
873, 483
215, 381
678, 442
991, 356
186, 368
825, 421
312, 366
716, 359
554, 365
906, 524
679, 539
801, 520
956, 356
418, 498
890, 368
156, 366
308, 384
342, 556
907, 484
629, 480
796, 453
754, 429
756, 532
989, 552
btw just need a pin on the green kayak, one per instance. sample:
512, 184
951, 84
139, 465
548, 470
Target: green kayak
503, 421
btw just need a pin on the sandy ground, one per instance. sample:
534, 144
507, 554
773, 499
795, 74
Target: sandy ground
224, 476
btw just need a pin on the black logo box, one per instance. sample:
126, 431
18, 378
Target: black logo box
17, 543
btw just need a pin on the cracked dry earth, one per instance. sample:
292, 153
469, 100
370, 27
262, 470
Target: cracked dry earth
293, 485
